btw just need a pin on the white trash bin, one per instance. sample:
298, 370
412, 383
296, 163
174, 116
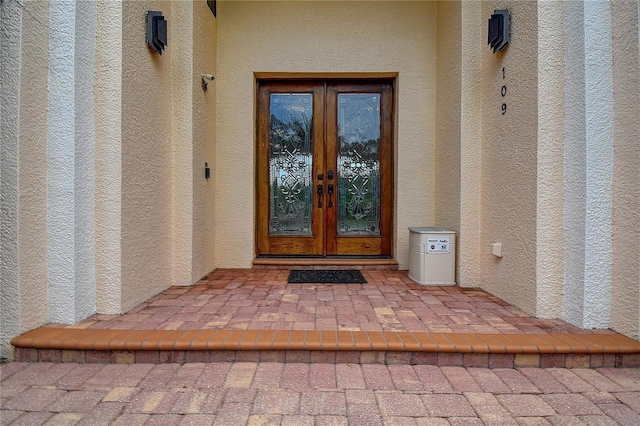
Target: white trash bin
432, 256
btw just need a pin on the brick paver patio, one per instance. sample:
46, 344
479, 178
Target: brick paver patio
272, 393
259, 299
255, 315
416, 356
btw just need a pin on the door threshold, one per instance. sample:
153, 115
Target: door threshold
325, 263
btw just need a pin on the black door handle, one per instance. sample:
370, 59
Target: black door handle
319, 190
330, 191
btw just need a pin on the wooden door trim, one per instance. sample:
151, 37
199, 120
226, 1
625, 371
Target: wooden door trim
324, 76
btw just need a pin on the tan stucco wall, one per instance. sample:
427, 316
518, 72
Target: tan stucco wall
625, 289
448, 83
182, 92
471, 136
146, 158
168, 132
204, 139
509, 160
10, 52
322, 37
32, 160
448, 113
108, 157
550, 164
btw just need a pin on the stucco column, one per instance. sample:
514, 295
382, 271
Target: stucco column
470, 145
625, 291
550, 156
9, 104
70, 168
588, 164
182, 140
108, 156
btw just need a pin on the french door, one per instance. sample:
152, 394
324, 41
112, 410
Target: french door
324, 168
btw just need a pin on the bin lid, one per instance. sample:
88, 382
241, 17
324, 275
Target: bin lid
430, 230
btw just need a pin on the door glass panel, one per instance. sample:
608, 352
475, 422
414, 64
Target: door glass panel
358, 164
290, 163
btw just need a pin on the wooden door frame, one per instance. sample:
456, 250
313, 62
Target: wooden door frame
388, 78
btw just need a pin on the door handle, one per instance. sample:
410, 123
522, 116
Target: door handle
319, 190
330, 191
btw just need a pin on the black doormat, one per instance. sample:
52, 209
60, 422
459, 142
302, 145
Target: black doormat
348, 276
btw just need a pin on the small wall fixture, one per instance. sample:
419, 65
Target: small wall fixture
205, 83
156, 31
499, 29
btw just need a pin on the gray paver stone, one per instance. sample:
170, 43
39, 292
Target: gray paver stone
488, 380
525, 405
621, 413
198, 420
297, 420
571, 380
571, 404
350, 376
544, 381
323, 403
432, 378
279, 401
363, 414
393, 404
460, 379
34, 399
448, 405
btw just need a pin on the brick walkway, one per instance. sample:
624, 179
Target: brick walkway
258, 299
255, 315
272, 393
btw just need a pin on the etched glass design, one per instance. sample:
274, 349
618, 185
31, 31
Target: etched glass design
359, 164
290, 163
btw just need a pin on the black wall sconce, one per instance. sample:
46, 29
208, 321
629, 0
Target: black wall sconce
156, 31
499, 29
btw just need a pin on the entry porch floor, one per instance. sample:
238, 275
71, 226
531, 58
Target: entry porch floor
255, 315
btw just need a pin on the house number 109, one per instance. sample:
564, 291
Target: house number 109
503, 92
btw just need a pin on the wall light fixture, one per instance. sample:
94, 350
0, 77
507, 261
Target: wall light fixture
156, 31
499, 29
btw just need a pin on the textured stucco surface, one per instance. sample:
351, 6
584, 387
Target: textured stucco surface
146, 236
32, 158
323, 37
574, 160
588, 164
108, 154
9, 65
509, 160
84, 180
204, 139
625, 291
60, 162
182, 85
550, 191
448, 107
599, 180
70, 205
471, 139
